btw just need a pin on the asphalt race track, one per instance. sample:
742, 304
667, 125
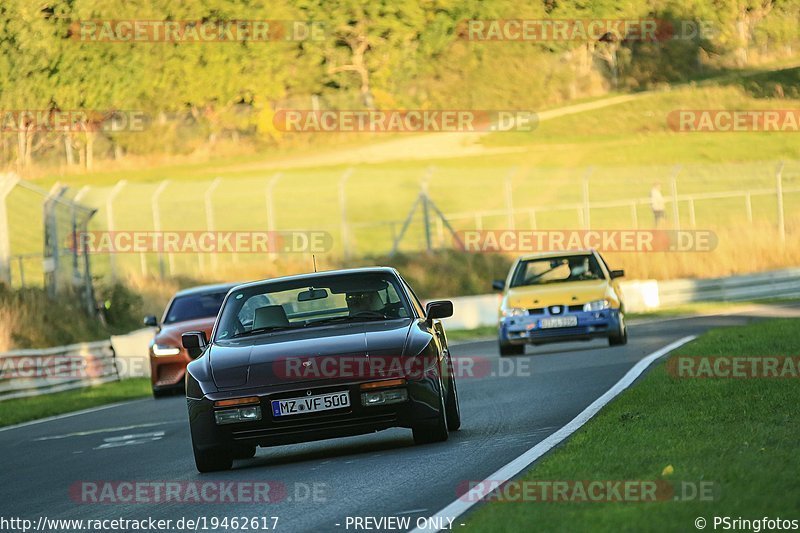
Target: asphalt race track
324, 482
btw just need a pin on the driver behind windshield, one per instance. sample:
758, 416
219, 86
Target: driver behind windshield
364, 302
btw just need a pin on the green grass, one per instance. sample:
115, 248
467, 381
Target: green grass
26, 409
480, 332
740, 434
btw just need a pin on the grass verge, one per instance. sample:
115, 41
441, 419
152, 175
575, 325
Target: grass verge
26, 409
740, 434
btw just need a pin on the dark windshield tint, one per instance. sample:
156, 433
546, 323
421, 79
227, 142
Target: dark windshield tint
194, 306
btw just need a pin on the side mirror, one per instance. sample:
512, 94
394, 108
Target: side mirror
195, 343
617, 274
499, 284
438, 309
151, 321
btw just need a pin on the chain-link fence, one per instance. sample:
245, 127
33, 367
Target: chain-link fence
40, 240
365, 210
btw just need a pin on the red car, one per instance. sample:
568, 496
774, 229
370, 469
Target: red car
192, 309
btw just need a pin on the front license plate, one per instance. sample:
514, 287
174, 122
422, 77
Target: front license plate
559, 322
311, 404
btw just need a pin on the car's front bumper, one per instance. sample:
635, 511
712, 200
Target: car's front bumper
527, 329
422, 405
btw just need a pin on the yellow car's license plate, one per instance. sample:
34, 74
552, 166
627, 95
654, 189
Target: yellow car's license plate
559, 322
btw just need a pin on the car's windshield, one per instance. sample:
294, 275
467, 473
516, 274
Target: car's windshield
311, 302
194, 306
556, 270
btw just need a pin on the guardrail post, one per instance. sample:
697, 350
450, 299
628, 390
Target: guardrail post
7, 184
779, 192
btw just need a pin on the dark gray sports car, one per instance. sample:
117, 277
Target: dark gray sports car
317, 356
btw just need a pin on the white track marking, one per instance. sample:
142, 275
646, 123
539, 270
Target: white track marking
73, 413
460, 506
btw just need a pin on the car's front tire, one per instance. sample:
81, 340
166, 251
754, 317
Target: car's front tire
620, 338
507, 348
452, 409
213, 460
435, 431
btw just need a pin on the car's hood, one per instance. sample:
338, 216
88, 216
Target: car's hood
277, 358
170, 334
568, 293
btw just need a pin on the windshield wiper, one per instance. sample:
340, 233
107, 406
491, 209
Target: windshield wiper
265, 329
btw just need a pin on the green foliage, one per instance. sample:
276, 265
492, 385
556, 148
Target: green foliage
374, 54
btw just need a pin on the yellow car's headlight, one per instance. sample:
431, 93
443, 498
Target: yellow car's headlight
513, 311
597, 305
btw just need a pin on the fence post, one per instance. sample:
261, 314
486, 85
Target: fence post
674, 185
52, 252
587, 221
345, 232
157, 226
509, 190
748, 205
7, 184
271, 211
112, 260
779, 192
210, 223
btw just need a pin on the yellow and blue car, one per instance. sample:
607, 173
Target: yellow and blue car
557, 297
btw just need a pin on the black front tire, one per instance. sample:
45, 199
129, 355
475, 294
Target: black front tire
620, 338
511, 349
214, 460
452, 408
435, 431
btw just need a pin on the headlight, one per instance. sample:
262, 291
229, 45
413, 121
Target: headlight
162, 350
597, 305
514, 311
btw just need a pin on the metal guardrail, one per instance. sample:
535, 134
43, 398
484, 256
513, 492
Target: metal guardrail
779, 283
32, 372
648, 295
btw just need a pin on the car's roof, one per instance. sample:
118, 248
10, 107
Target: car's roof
554, 253
323, 273
201, 289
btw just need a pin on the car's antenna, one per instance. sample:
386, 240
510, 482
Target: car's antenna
314, 259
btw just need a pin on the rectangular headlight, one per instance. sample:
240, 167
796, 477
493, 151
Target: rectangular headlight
384, 397
232, 416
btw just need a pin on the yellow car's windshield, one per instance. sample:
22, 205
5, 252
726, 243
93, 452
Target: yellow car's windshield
556, 270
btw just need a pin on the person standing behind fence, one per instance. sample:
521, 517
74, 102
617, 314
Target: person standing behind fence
657, 204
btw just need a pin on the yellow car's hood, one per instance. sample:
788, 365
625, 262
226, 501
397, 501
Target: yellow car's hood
567, 293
